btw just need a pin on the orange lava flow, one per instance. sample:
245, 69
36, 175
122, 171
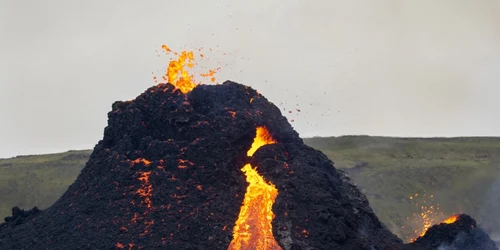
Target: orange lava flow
253, 229
262, 137
178, 69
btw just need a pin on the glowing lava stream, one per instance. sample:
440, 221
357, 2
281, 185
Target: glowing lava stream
253, 229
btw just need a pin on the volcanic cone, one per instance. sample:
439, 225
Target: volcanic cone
216, 167
456, 233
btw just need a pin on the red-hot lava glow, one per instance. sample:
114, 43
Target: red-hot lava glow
262, 137
177, 72
451, 219
253, 229
146, 189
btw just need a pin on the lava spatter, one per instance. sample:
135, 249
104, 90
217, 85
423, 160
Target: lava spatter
178, 72
458, 232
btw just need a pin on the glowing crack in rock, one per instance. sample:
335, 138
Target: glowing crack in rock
253, 229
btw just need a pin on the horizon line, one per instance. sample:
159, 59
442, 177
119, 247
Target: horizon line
61, 151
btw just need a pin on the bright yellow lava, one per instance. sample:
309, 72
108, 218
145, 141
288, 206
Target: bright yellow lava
451, 219
262, 137
253, 229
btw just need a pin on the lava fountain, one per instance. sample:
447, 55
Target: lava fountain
177, 72
253, 229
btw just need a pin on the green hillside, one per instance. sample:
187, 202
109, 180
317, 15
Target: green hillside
455, 174
37, 180
452, 175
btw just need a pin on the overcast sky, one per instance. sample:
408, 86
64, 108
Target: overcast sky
385, 67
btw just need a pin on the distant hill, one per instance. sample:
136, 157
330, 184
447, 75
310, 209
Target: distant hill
37, 180
454, 174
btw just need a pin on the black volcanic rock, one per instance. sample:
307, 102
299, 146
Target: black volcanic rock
167, 175
318, 207
20, 215
463, 234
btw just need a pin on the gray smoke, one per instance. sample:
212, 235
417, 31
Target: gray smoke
457, 243
489, 216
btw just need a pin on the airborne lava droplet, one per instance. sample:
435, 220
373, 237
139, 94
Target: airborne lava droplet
450, 220
253, 229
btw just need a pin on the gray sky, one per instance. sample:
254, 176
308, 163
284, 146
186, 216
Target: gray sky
385, 67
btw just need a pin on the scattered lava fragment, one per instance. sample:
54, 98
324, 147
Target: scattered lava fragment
253, 229
450, 220
429, 214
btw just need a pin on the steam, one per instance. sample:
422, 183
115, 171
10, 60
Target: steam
446, 248
457, 243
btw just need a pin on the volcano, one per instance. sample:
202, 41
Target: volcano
187, 166
456, 232
217, 167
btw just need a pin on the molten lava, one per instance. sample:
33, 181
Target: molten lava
451, 219
262, 138
177, 72
253, 229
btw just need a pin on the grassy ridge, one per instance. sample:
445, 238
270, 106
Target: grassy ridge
461, 175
